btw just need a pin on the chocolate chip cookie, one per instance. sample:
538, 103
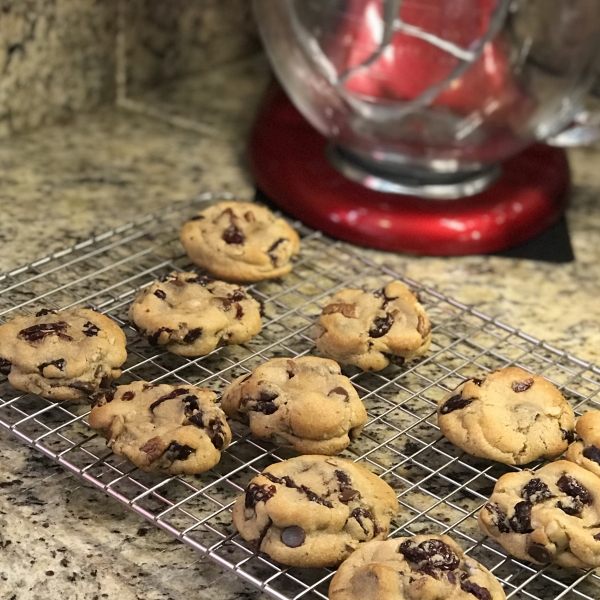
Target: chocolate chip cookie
162, 428
62, 354
314, 511
423, 567
510, 416
363, 328
552, 515
305, 403
193, 314
241, 241
586, 451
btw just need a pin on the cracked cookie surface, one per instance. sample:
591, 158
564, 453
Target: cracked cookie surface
511, 416
242, 241
192, 314
550, 515
423, 567
362, 328
162, 428
305, 403
314, 511
62, 354
586, 451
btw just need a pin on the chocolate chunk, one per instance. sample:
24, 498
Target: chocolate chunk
434, 553
342, 477
520, 522
340, 391
160, 294
348, 310
153, 339
102, 398
476, 381
238, 295
202, 280
258, 493
83, 386
348, 494
127, 396
536, 491
597, 537
522, 386
174, 394
90, 330
239, 311
5, 366
39, 332
455, 403
180, 451
571, 487
264, 404
381, 325
192, 335
479, 592
249, 216
233, 235
197, 419
271, 250
215, 433
59, 364
568, 435
153, 448
293, 536
191, 403
501, 519
540, 553
362, 513
287, 481
45, 311
592, 453
571, 506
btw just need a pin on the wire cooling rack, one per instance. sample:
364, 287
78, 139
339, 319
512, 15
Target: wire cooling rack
439, 488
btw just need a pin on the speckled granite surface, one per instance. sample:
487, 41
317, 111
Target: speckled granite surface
60, 539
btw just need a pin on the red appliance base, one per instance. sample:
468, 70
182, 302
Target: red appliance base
287, 160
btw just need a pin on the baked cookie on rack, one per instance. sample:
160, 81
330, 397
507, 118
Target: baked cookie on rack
62, 354
314, 511
550, 515
510, 416
305, 403
586, 451
423, 567
192, 314
363, 328
162, 428
240, 241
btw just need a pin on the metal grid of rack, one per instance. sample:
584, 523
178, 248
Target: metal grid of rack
439, 488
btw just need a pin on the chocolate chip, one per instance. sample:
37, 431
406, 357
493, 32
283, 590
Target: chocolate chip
153, 339
197, 218
45, 311
180, 451
238, 295
571, 506
249, 216
568, 435
340, 391
153, 448
258, 493
597, 537
39, 332
348, 494
479, 592
476, 381
90, 330
571, 487
348, 310
83, 386
127, 396
520, 522
59, 364
5, 366
342, 477
434, 553
536, 491
381, 325
271, 250
293, 536
287, 481
522, 386
540, 553
233, 235
501, 518
361, 513
149, 386
239, 311
102, 398
192, 335
264, 404
455, 403
197, 419
202, 280
191, 403
592, 453
215, 433
160, 294
172, 395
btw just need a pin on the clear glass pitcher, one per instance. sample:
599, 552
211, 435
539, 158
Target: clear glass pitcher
427, 97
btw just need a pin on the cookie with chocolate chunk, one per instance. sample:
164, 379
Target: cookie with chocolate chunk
510, 416
62, 354
192, 314
162, 428
423, 567
586, 451
550, 515
363, 328
314, 511
240, 241
305, 403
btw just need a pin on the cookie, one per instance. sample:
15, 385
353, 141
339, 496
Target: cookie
192, 314
162, 428
62, 354
314, 511
305, 403
241, 241
550, 515
586, 452
362, 328
423, 567
511, 416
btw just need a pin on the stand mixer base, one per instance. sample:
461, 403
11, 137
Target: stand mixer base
287, 158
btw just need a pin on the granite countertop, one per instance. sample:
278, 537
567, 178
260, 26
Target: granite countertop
58, 537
